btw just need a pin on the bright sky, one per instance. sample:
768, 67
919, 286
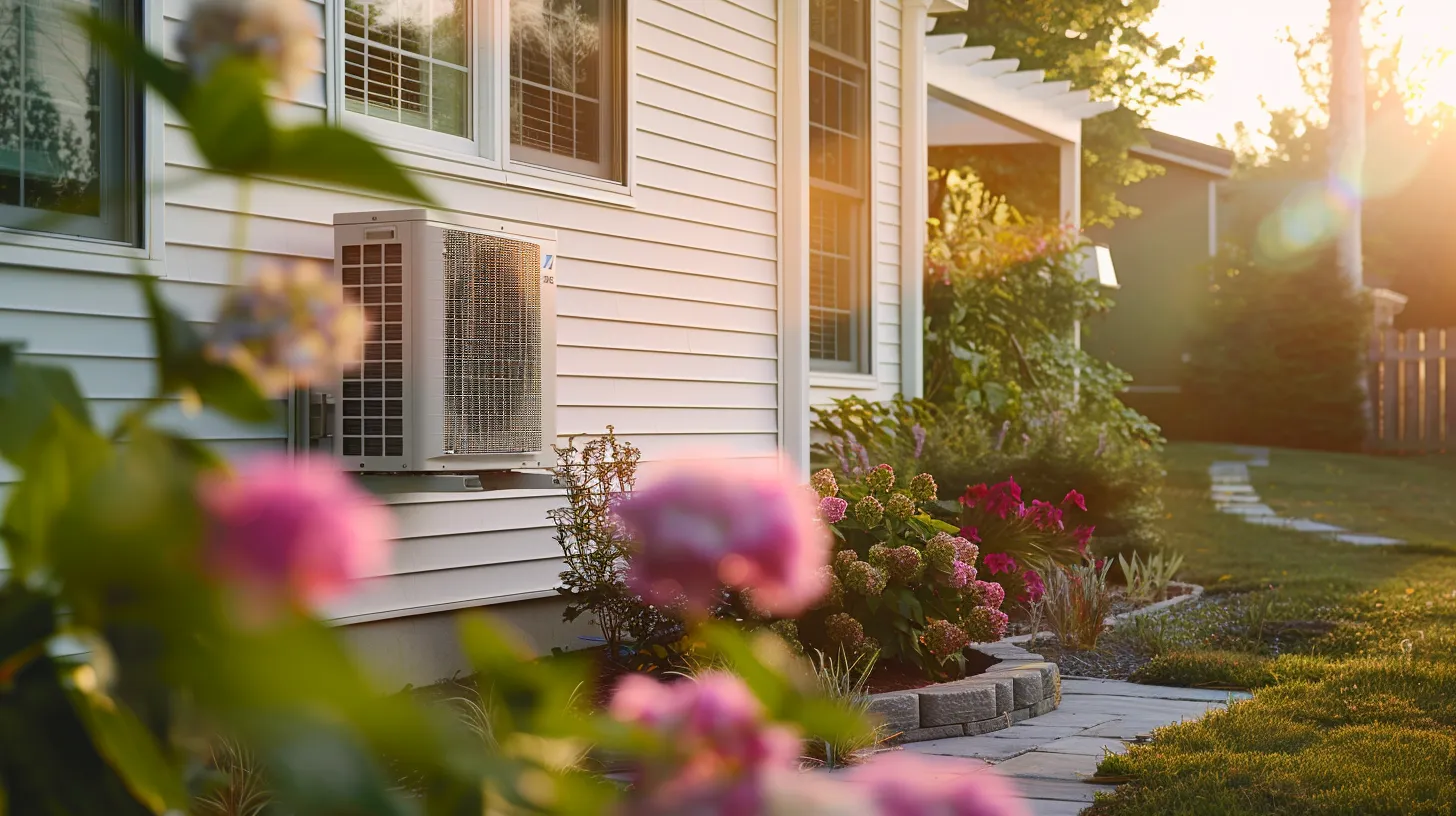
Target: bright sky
1246, 38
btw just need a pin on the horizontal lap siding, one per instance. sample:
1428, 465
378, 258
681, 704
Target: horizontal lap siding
667, 321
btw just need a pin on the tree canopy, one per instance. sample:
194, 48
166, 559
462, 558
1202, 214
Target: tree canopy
1104, 46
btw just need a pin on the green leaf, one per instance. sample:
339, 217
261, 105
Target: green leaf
29, 396
228, 115
130, 54
341, 157
132, 752
182, 364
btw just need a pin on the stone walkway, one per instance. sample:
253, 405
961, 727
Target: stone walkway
1050, 757
1233, 494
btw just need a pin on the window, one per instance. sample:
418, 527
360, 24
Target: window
427, 72
566, 80
838, 184
70, 125
406, 61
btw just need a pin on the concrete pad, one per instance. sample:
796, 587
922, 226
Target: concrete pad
1234, 498
1044, 765
1243, 489
1132, 728
1087, 746
982, 747
1312, 526
1065, 717
1029, 729
1118, 688
1054, 807
1362, 540
1059, 790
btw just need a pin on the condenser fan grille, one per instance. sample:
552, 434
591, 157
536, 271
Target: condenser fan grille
492, 328
372, 398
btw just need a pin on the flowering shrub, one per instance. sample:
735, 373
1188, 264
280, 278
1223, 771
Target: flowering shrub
902, 583
1020, 538
595, 548
192, 584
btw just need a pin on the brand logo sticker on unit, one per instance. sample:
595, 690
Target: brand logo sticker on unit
548, 261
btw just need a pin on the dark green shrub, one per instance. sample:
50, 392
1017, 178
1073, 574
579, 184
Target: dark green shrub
1279, 357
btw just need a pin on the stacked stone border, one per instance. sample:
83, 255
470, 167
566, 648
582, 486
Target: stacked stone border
1021, 686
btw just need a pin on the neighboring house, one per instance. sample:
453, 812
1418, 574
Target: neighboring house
1161, 259
710, 287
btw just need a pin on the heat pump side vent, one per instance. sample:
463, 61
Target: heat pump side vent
492, 399
372, 398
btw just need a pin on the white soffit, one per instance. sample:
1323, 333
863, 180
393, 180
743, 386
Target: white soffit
976, 99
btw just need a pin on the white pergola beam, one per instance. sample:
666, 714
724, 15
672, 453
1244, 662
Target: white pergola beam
968, 56
1020, 79
992, 68
939, 43
1047, 90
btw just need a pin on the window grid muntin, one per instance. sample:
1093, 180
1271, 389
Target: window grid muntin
579, 122
839, 173
410, 92
111, 202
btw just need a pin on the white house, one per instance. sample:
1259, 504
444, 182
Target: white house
737, 189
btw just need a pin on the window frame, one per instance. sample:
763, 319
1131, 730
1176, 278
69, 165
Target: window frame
141, 145
489, 160
612, 167
860, 370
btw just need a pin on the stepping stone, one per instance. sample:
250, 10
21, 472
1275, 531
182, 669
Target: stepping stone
1048, 791
981, 747
1247, 509
1312, 526
1055, 807
1269, 521
1232, 490
1363, 540
1234, 498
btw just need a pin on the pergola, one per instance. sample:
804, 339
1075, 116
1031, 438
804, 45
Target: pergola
977, 100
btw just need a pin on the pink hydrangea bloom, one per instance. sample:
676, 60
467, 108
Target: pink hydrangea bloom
1075, 498
906, 784
284, 530
1035, 587
994, 593
997, 563
963, 576
832, 509
696, 527
720, 749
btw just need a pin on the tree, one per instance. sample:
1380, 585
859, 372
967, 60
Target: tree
1104, 46
1405, 183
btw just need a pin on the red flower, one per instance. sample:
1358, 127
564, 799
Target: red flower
1045, 515
971, 534
1004, 498
974, 494
1083, 536
998, 563
1035, 587
1073, 497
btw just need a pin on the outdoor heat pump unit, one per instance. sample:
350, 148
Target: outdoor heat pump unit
458, 368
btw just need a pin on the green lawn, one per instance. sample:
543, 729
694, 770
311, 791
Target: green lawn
1357, 714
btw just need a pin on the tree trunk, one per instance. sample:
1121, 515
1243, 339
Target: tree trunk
1347, 131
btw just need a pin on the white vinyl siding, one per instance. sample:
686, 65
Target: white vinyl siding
667, 309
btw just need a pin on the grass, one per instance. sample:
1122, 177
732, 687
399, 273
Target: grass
1356, 713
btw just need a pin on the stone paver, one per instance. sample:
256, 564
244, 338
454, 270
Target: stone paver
1049, 758
1231, 493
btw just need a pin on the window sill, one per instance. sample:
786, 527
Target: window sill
78, 254
432, 161
837, 379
